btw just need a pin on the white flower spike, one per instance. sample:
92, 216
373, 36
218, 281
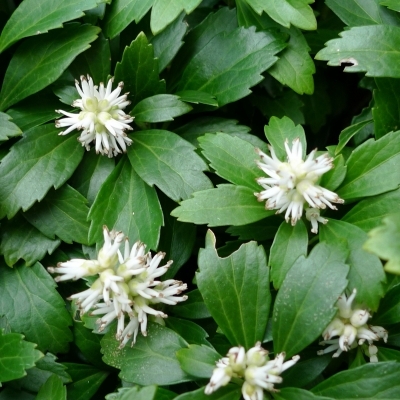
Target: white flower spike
350, 325
101, 118
126, 287
293, 183
254, 367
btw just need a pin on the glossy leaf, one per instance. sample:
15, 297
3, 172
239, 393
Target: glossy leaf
196, 97
198, 361
236, 290
392, 4
164, 159
39, 161
335, 176
191, 332
7, 128
39, 61
305, 302
347, 133
127, 204
192, 308
52, 389
42, 315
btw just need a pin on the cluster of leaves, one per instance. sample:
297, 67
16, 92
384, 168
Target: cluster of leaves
208, 81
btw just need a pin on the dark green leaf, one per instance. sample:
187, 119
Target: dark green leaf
236, 290
7, 128
224, 205
370, 381
160, 108
385, 354
367, 166
290, 243
232, 158
11, 394
297, 394
191, 332
39, 61
389, 308
192, 308
21, 240
142, 363
261, 230
127, 204
53, 389
40, 160
333, 178
164, 159
372, 49
229, 392
305, 302
42, 315
139, 70
348, 133
16, 355
366, 272
196, 97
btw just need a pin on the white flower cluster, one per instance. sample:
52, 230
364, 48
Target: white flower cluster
101, 118
254, 366
292, 183
351, 328
126, 286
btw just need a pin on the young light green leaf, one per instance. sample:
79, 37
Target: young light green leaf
280, 130
52, 389
160, 108
254, 52
304, 304
39, 61
384, 242
35, 17
371, 49
41, 315
348, 133
366, 272
7, 128
295, 67
139, 71
142, 363
40, 160
368, 164
164, 159
21, 240
232, 158
121, 13
224, 205
236, 290
127, 204
16, 355
163, 13
286, 12
290, 243
370, 381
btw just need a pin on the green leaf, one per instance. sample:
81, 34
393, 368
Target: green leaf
126, 393
368, 213
39, 61
168, 42
7, 128
348, 133
262, 230
196, 97
198, 361
297, 394
386, 106
368, 164
371, 49
35, 17
280, 130
366, 272
40, 160
334, 177
62, 213
164, 159
386, 354
21, 240
160, 108
236, 290
389, 308
139, 70
191, 332
163, 13
367, 12
52, 389
127, 204
305, 302
392, 4
295, 67
16, 355
142, 363
229, 392
224, 205
384, 242
243, 55
290, 243
41, 315
370, 381
192, 308
232, 158
121, 13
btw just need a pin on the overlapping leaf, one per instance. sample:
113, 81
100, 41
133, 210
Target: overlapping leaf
52, 389
7, 128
